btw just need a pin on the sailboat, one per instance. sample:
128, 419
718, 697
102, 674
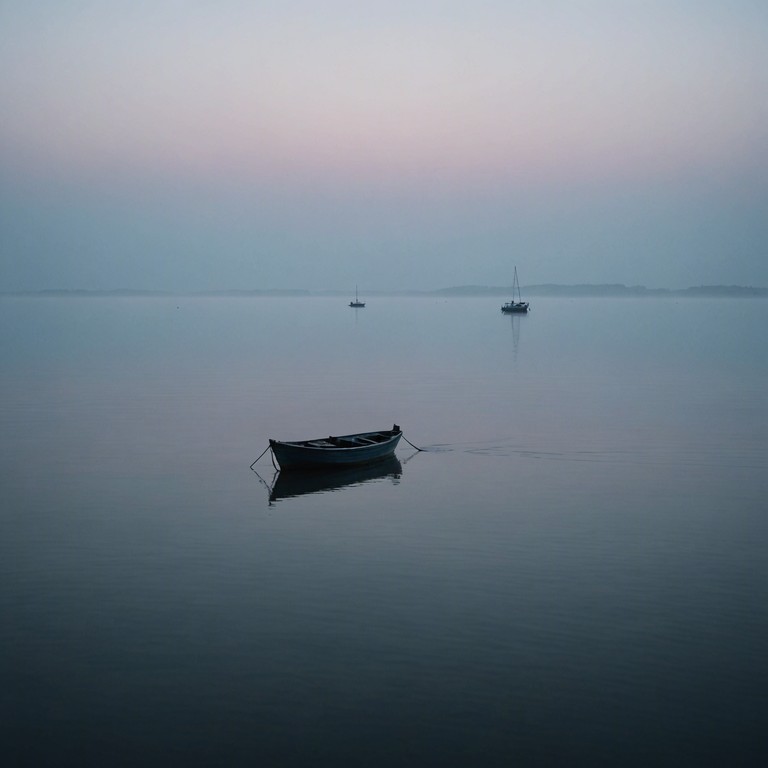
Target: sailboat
356, 302
515, 306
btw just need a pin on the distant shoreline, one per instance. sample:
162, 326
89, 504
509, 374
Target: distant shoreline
612, 290
607, 290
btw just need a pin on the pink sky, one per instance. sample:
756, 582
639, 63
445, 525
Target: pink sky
457, 94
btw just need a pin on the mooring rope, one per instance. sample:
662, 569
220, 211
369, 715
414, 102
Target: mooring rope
415, 447
411, 444
261, 454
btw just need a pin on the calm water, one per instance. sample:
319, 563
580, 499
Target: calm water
573, 571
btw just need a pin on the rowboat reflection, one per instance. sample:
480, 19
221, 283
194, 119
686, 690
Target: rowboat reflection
291, 483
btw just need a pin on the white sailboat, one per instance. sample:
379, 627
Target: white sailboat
515, 306
356, 302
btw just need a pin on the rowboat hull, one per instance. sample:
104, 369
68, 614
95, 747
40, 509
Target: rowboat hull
337, 452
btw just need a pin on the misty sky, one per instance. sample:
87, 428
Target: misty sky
213, 144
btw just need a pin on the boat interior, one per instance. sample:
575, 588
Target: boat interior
348, 441
351, 441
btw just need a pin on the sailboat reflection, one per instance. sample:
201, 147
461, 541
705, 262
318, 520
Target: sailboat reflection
299, 482
515, 320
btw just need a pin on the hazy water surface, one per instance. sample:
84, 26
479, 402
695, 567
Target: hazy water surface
573, 571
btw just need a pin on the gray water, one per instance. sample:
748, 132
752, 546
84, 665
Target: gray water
572, 571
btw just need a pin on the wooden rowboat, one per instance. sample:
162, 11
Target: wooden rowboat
341, 451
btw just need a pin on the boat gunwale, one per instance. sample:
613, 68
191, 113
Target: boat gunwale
305, 444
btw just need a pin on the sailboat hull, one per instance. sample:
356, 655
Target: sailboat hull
514, 306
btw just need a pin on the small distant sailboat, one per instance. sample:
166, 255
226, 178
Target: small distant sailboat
356, 302
515, 306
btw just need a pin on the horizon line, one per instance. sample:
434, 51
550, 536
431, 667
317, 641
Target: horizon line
539, 289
